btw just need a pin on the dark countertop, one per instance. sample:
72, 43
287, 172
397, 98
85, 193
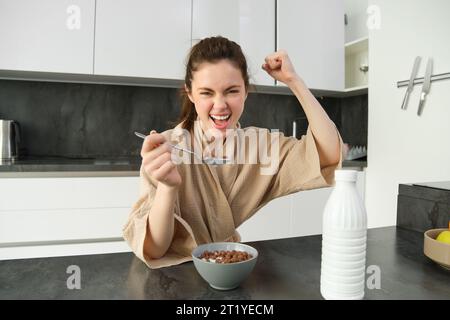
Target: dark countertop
60, 164
441, 185
355, 163
286, 269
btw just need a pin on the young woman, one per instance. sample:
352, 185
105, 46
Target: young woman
182, 205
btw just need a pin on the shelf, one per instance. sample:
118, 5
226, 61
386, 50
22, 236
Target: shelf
357, 41
356, 56
353, 91
357, 89
357, 46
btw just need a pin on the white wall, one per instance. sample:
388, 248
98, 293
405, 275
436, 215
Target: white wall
357, 16
402, 147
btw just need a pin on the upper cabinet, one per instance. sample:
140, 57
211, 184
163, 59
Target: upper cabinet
151, 39
312, 32
142, 38
47, 35
357, 45
356, 18
251, 23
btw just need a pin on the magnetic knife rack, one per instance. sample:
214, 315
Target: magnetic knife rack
436, 77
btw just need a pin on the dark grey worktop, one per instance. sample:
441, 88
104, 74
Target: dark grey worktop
92, 164
55, 164
286, 269
355, 163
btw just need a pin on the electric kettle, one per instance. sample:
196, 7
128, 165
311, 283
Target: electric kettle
9, 139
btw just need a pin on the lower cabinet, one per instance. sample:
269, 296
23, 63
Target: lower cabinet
307, 212
64, 216
56, 225
298, 214
271, 222
72, 216
295, 215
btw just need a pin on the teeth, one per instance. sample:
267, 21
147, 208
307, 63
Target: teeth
221, 117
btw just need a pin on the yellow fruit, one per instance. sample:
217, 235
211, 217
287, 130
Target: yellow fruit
444, 236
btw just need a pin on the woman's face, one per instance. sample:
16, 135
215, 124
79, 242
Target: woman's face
218, 93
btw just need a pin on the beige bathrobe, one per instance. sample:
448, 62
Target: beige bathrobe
214, 200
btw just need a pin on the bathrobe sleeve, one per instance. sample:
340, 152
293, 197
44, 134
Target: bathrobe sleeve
299, 166
136, 230
296, 168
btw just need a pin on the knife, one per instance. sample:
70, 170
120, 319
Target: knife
411, 82
426, 85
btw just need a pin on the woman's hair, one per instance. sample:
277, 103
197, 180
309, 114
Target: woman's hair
210, 50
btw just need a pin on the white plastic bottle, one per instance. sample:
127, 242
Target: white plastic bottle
342, 274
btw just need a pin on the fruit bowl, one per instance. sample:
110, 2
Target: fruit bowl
437, 251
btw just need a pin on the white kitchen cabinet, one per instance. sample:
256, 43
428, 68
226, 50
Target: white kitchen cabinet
56, 225
298, 214
250, 23
142, 38
270, 222
295, 215
357, 16
307, 210
308, 206
47, 35
312, 32
23, 194
38, 215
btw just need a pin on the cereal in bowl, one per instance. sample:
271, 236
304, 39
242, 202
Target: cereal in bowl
225, 256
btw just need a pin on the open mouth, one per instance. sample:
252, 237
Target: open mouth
220, 121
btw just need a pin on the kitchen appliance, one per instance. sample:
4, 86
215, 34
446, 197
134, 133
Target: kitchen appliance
9, 140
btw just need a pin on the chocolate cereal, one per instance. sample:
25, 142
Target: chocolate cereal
225, 256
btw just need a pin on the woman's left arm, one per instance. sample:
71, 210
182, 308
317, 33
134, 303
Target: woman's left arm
279, 66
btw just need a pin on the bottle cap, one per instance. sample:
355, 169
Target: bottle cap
345, 175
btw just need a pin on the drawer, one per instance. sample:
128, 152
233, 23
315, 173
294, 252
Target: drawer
68, 193
57, 225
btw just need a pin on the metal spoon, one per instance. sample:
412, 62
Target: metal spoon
206, 160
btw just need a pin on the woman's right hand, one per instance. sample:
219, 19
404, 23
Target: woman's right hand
156, 156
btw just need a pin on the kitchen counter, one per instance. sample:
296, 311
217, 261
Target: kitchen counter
286, 269
61, 164
354, 163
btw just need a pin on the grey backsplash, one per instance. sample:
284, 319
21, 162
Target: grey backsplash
95, 120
